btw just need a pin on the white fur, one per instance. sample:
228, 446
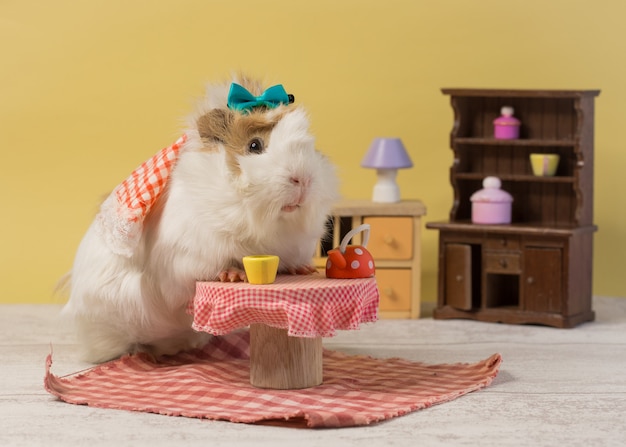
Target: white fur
206, 222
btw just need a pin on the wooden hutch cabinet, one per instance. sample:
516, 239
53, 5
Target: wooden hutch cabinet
538, 269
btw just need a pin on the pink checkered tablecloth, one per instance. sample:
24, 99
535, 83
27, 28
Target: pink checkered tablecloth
214, 383
304, 305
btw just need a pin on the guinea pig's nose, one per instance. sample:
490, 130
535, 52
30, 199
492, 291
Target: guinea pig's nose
299, 180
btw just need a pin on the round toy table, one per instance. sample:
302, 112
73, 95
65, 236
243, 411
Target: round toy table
287, 321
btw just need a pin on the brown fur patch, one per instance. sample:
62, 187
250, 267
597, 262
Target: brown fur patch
235, 130
214, 126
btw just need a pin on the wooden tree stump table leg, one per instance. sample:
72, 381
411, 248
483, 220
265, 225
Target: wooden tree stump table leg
278, 361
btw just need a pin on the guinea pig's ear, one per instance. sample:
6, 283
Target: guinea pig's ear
215, 124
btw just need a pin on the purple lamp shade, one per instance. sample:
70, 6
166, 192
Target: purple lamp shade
386, 153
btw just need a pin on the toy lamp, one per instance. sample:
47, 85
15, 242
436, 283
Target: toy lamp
386, 155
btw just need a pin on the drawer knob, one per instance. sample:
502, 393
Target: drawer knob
459, 278
389, 239
530, 280
388, 292
503, 263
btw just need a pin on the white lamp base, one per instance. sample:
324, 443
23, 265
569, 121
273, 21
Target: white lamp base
386, 189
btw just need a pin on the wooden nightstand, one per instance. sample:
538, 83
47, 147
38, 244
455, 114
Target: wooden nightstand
394, 243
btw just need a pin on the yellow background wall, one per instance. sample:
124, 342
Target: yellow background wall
89, 90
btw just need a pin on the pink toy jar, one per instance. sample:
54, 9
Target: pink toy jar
506, 126
491, 205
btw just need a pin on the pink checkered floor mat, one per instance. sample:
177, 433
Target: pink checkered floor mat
213, 383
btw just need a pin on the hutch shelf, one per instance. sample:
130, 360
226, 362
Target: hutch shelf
538, 269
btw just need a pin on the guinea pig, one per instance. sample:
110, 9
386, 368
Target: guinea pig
244, 182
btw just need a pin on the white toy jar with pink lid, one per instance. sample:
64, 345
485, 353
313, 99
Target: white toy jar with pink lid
491, 205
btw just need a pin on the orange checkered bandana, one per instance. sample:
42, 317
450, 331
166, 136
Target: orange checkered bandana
121, 216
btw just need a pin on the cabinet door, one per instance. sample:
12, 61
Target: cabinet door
458, 285
543, 279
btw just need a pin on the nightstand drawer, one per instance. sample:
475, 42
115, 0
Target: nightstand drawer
502, 263
390, 237
394, 286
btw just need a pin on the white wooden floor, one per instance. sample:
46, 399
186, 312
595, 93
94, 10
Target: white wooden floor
557, 387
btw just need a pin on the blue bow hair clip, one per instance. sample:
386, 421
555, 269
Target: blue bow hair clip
242, 100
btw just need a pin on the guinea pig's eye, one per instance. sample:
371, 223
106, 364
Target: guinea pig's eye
256, 146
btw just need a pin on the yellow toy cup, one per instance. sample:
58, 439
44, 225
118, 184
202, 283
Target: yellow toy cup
544, 165
261, 269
